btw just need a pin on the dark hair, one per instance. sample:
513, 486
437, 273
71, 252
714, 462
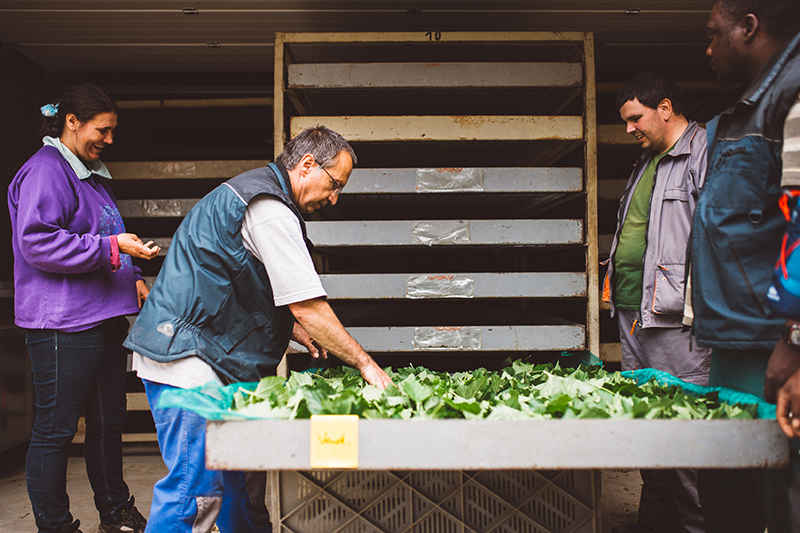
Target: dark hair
650, 88
85, 101
323, 143
781, 18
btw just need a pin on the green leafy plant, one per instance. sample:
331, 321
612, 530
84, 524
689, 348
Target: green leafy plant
521, 391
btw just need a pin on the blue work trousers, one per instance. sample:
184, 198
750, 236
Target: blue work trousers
74, 374
191, 498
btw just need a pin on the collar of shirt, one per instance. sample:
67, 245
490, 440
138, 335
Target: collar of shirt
80, 168
770, 70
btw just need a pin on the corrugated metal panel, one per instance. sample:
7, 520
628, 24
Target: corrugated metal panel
375, 75
447, 128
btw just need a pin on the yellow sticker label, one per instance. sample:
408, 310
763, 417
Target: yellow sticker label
334, 441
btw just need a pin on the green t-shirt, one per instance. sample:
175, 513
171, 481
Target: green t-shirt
629, 256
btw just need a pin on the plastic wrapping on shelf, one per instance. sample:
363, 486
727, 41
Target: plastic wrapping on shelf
447, 337
440, 286
432, 232
449, 179
173, 169
161, 208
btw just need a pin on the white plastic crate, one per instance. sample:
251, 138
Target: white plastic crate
447, 501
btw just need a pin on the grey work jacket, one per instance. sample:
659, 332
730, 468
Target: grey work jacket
678, 179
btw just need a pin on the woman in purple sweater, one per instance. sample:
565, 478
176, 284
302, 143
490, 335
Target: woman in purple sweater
74, 283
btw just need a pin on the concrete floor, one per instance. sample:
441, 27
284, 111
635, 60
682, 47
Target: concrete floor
143, 467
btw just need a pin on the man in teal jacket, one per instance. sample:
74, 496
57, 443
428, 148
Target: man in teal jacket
237, 283
736, 236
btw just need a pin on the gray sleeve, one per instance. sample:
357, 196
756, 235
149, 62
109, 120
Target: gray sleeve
272, 233
791, 148
700, 164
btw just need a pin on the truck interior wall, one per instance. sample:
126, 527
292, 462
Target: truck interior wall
24, 87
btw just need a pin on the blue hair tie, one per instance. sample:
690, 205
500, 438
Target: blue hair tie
49, 110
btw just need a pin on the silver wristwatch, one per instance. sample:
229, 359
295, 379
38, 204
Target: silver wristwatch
791, 334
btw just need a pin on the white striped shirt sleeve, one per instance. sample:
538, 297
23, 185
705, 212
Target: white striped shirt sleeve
791, 148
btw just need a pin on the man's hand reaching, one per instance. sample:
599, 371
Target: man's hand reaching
299, 334
374, 375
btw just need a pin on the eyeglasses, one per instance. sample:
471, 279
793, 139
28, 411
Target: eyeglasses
337, 187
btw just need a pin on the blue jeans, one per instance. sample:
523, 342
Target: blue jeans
190, 498
74, 374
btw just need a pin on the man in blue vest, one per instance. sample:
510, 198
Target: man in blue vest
237, 283
736, 237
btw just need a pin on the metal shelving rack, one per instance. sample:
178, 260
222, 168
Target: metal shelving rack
394, 231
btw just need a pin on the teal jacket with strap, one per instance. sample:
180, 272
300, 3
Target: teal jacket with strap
212, 298
738, 226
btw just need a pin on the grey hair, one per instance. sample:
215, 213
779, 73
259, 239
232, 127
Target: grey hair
322, 143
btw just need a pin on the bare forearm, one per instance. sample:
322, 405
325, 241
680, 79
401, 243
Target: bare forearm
317, 317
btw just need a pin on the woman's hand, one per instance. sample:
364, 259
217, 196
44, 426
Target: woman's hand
142, 291
132, 245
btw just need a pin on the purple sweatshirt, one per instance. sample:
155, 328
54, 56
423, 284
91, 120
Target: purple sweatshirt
62, 251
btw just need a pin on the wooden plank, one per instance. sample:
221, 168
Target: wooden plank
279, 132
137, 401
465, 285
156, 208
403, 233
156, 170
400, 37
611, 352
80, 438
426, 339
418, 75
439, 232
592, 257
491, 180
448, 128
488, 338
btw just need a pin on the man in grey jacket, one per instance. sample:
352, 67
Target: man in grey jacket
644, 283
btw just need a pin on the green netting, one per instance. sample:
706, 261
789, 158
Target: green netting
729, 396
574, 359
211, 401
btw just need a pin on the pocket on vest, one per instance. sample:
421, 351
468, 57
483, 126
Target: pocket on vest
242, 331
668, 289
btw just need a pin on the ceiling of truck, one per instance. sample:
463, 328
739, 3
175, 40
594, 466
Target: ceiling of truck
226, 46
